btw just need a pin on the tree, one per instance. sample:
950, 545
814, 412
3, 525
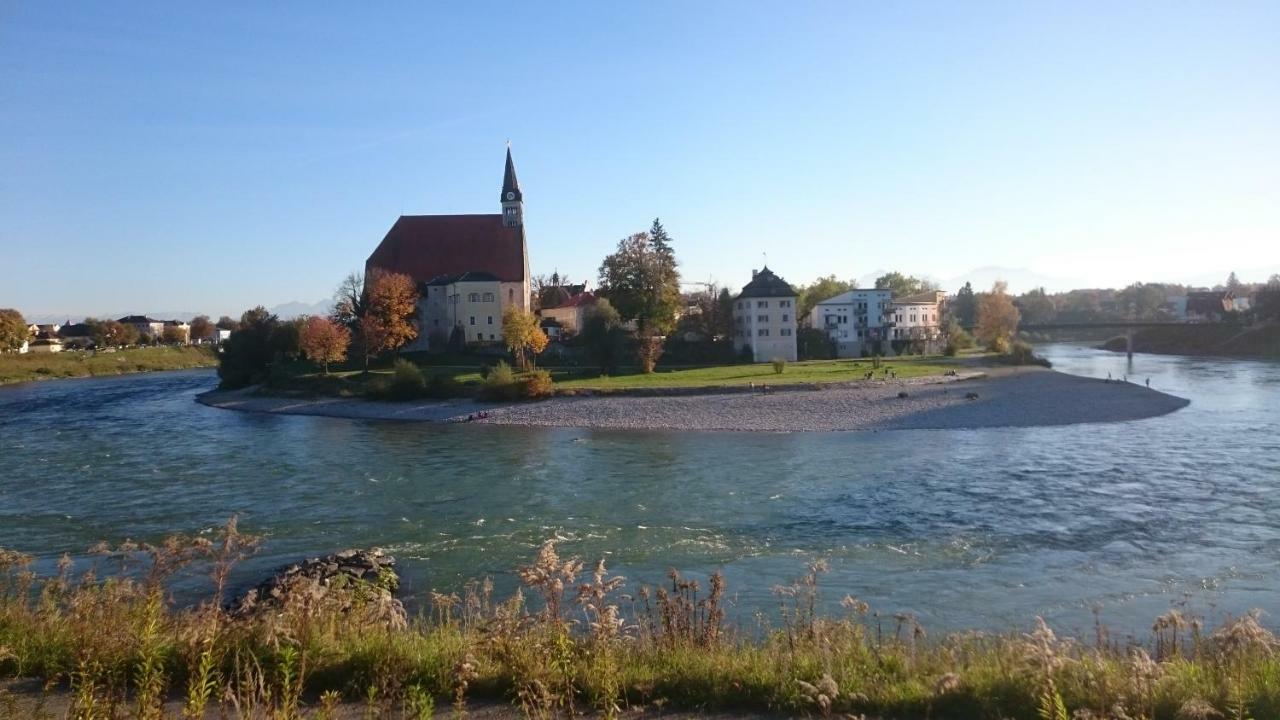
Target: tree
1036, 306
602, 335
1141, 301
286, 339
174, 334
965, 306
227, 323
110, 333
648, 351
202, 328
903, 285
247, 354
997, 316
1233, 283
13, 330
324, 341
824, 288
641, 282
523, 335
388, 308
1274, 281
349, 300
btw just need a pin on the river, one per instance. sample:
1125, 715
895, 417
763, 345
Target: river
965, 529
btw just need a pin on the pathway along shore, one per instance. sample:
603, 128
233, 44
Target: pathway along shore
1005, 397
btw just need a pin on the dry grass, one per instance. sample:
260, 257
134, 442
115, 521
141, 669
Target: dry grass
110, 638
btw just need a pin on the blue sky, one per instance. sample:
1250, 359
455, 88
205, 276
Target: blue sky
208, 157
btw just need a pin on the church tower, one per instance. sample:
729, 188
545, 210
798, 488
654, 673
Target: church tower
512, 198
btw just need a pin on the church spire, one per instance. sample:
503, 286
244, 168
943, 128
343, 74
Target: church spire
512, 198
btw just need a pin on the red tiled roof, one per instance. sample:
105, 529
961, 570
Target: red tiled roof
582, 298
425, 247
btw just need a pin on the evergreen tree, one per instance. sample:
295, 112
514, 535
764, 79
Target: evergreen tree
966, 305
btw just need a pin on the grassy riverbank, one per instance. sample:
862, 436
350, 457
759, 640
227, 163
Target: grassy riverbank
79, 363
574, 640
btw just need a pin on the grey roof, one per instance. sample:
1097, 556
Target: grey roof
766, 284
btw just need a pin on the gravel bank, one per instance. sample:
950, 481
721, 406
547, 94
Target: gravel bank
1014, 397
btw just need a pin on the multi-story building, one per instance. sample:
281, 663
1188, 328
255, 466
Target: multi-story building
764, 318
457, 257
857, 321
468, 305
917, 317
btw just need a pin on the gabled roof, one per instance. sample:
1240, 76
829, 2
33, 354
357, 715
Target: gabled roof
136, 320
766, 284
426, 247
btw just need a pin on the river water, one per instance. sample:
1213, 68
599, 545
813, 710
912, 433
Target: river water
965, 529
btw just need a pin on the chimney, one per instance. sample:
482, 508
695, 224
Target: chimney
754, 272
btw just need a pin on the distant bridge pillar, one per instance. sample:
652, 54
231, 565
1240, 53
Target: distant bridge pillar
1128, 343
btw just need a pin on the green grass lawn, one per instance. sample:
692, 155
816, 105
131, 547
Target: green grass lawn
811, 371
79, 363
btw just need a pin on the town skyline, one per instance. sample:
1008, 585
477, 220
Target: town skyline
170, 170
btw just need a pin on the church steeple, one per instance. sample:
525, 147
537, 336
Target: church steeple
512, 198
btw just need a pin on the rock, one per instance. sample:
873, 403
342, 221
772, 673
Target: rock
349, 581
903, 394
971, 396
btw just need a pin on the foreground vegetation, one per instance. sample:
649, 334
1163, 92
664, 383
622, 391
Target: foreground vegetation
571, 641
80, 363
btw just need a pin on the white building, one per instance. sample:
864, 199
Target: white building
572, 313
470, 305
856, 321
917, 317
764, 318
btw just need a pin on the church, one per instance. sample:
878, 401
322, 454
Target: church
469, 268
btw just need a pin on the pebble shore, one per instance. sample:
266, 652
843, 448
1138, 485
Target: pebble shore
1005, 397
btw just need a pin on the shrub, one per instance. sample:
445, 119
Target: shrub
999, 344
778, 365
500, 383
958, 339
1021, 353
538, 384
407, 381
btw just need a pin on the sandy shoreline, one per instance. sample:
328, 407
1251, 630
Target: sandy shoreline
1012, 397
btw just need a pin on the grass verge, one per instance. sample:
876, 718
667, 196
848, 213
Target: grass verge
16, 368
573, 640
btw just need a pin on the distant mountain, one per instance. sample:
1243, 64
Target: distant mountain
291, 310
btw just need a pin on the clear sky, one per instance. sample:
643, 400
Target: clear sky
212, 156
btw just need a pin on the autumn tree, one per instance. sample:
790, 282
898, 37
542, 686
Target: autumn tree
997, 317
324, 341
389, 306
641, 281
13, 330
227, 323
524, 337
202, 328
174, 334
111, 333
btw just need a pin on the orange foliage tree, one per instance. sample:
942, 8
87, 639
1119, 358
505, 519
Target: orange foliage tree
324, 341
997, 317
391, 302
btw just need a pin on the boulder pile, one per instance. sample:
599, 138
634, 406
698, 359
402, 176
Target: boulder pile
346, 581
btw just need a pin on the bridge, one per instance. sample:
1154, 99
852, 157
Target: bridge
1127, 326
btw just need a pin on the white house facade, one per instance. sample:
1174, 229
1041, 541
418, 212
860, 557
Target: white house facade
470, 304
856, 321
764, 318
917, 317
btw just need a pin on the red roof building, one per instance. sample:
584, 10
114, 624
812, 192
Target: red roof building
429, 247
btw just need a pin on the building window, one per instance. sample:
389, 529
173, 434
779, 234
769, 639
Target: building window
785, 332
763, 332
473, 319
491, 336
490, 319
473, 297
488, 297
762, 303
762, 318
479, 337
784, 303
511, 295
785, 317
